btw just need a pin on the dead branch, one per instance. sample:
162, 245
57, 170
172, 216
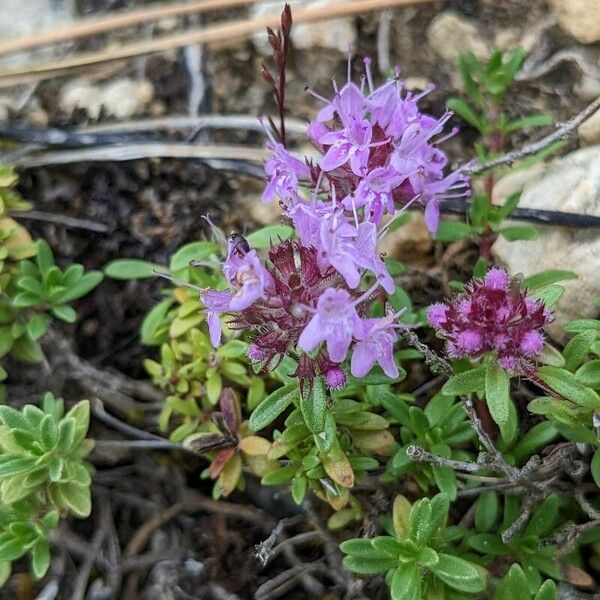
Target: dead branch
563, 130
214, 33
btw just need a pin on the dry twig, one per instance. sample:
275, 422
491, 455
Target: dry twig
214, 33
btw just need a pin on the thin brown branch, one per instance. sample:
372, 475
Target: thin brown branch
563, 130
119, 20
225, 31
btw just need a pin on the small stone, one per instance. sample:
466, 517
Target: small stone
411, 243
79, 94
588, 88
124, 98
589, 131
569, 184
335, 34
449, 35
20, 19
579, 18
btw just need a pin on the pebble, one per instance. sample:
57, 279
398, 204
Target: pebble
122, 98
589, 131
579, 18
450, 34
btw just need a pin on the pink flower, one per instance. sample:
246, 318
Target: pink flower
375, 344
334, 322
493, 315
247, 275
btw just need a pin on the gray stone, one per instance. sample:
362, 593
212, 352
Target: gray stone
570, 184
579, 18
335, 34
121, 98
449, 35
19, 18
589, 131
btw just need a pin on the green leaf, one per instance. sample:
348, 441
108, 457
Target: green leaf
37, 326
406, 583
589, 374
15, 466
487, 510
547, 591
262, 238
298, 489
421, 521
427, 557
377, 377
459, 574
582, 325
272, 406
595, 467
465, 111
64, 313
567, 385
131, 268
368, 566
536, 439
465, 383
44, 257
549, 294
528, 121
313, 406
515, 233
279, 476
49, 431
451, 231
514, 585
75, 497
544, 518
193, 251
578, 347
66, 435
445, 479
85, 285
497, 386
26, 299
362, 548
12, 418
387, 545
153, 320
80, 413
11, 548
40, 558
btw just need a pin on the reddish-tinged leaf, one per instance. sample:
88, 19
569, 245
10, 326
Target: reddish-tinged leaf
219, 462
228, 405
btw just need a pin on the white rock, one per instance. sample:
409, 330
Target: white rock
121, 98
19, 18
449, 34
334, 34
579, 18
588, 88
589, 131
126, 97
79, 94
570, 184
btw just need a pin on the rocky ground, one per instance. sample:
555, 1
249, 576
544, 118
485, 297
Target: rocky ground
148, 208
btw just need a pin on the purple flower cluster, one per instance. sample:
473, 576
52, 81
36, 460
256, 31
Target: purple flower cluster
379, 151
378, 155
493, 315
295, 305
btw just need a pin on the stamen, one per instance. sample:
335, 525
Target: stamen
367, 63
179, 282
